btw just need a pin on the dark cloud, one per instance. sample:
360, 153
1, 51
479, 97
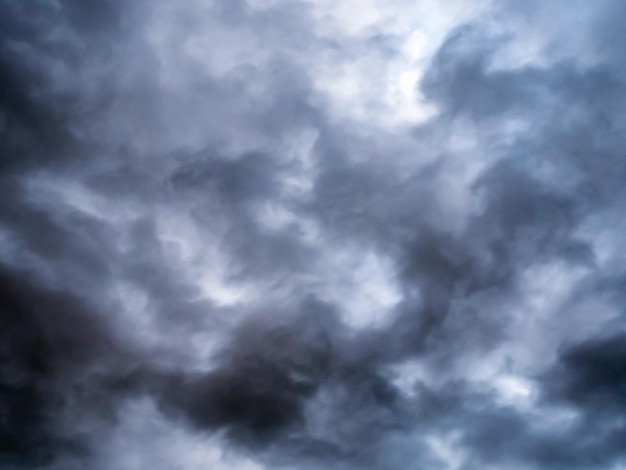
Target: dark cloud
592, 374
44, 48
264, 376
202, 207
274, 377
56, 359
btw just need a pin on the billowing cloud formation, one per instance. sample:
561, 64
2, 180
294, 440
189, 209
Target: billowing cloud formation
309, 234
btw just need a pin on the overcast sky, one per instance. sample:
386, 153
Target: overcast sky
312, 234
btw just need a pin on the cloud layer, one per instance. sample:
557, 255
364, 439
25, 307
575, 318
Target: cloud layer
309, 234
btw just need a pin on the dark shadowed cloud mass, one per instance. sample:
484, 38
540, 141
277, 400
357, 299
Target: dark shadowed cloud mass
312, 234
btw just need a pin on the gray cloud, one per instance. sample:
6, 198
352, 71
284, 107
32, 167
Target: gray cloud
230, 239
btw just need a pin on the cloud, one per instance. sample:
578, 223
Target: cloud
294, 234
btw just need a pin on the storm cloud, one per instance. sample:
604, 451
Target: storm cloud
306, 234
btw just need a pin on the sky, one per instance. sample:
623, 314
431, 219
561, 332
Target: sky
312, 234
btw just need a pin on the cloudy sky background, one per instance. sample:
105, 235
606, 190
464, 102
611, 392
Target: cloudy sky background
312, 234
